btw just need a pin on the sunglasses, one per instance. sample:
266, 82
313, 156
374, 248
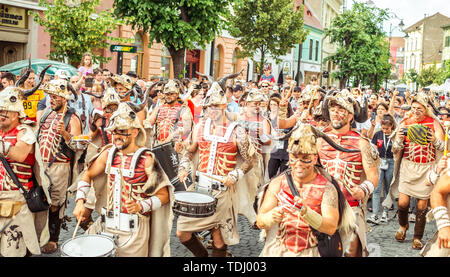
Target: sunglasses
264, 86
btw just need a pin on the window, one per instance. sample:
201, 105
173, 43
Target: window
317, 50
310, 49
447, 41
234, 61
137, 60
166, 61
216, 69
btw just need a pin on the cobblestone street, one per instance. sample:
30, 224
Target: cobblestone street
380, 239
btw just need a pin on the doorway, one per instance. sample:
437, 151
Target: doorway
192, 63
11, 52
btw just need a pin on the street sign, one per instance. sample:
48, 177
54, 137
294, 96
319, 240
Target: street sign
123, 48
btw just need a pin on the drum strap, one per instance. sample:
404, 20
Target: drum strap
118, 174
214, 141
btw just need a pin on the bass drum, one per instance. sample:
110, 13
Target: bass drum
89, 246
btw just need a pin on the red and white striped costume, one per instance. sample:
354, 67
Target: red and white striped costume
165, 120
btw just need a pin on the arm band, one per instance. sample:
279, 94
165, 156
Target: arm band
236, 175
397, 146
82, 190
267, 220
313, 218
151, 204
441, 216
368, 187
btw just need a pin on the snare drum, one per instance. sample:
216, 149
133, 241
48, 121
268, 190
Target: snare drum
89, 246
194, 204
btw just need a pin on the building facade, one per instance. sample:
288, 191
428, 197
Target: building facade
423, 43
397, 50
20, 36
445, 43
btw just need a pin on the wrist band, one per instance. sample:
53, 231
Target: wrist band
441, 216
313, 218
439, 144
83, 188
433, 177
151, 204
367, 186
236, 174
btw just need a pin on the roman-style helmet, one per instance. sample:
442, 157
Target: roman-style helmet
255, 95
10, 100
424, 100
110, 97
310, 93
216, 94
346, 100
173, 86
303, 139
123, 79
125, 118
58, 87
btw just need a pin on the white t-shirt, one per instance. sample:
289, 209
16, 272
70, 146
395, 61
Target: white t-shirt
363, 126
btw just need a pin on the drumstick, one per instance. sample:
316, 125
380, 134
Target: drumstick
184, 183
447, 124
212, 177
76, 228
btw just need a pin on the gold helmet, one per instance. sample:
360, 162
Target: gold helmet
310, 92
215, 96
346, 100
58, 87
424, 100
172, 86
125, 118
11, 100
110, 97
255, 95
123, 79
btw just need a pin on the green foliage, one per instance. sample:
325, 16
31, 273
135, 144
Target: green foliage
270, 27
429, 76
363, 52
73, 30
178, 24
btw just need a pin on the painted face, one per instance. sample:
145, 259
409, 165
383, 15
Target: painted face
215, 112
418, 112
121, 138
170, 97
302, 165
6, 119
339, 116
255, 108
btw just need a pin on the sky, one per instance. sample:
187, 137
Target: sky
410, 11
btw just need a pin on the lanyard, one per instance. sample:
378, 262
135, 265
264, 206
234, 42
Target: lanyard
386, 145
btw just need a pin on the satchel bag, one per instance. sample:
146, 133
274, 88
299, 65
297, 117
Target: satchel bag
35, 197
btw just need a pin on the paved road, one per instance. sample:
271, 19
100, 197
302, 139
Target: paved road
380, 239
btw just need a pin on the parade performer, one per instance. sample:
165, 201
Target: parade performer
292, 222
224, 152
57, 127
356, 173
413, 162
129, 186
308, 104
22, 235
171, 120
125, 86
439, 244
259, 130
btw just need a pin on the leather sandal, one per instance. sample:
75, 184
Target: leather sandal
417, 244
401, 235
50, 247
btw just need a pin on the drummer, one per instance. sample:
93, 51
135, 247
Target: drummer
136, 205
219, 144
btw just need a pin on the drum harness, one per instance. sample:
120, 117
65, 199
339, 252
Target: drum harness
118, 217
207, 182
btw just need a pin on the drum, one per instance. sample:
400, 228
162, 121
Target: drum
89, 246
194, 204
168, 159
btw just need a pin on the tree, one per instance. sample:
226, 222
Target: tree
429, 76
270, 27
362, 52
75, 28
178, 24
412, 75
